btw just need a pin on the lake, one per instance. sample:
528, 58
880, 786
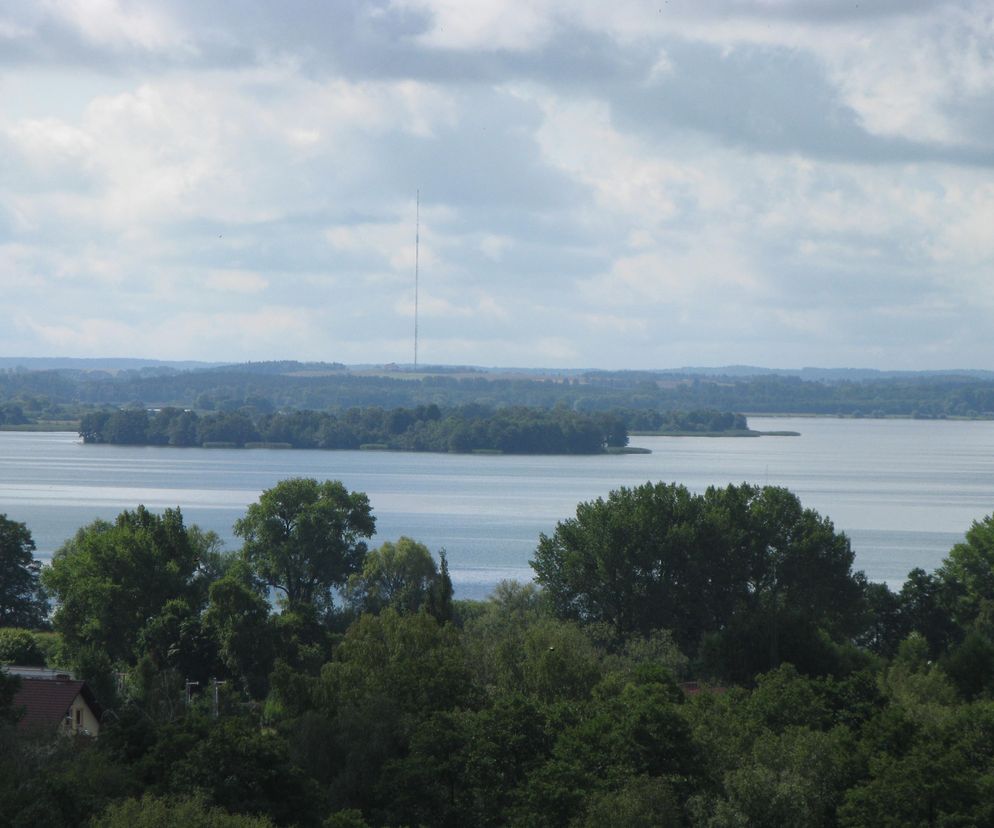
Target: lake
903, 490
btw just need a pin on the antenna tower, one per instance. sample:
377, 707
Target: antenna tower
417, 245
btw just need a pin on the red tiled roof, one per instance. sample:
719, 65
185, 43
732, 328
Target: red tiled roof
46, 701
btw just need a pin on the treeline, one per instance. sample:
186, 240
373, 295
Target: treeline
269, 387
700, 421
425, 428
690, 660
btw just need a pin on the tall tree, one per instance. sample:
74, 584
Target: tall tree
111, 579
659, 557
305, 538
22, 599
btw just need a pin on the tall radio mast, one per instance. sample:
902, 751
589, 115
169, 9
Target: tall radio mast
417, 245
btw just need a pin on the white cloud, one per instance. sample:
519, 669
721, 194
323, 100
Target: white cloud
729, 181
236, 281
115, 24
493, 246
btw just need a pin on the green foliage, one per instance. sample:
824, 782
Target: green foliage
644, 800
304, 538
494, 638
349, 818
938, 773
238, 622
243, 769
439, 604
967, 573
390, 671
737, 559
512, 430
186, 811
794, 778
110, 579
20, 647
23, 602
629, 730
50, 781
925, 604
553, 707
9, 685
399, 575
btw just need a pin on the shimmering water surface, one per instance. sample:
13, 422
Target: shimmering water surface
904, 490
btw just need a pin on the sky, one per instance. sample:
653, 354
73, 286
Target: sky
628, 184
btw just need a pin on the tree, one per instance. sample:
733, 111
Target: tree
659, 557
304, 538
238, 620
967, 573
390, 672
112, 579
190, 812
9, 685
20, 647
400, 575
22, 599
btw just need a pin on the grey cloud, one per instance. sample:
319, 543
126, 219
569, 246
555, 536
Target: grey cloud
820, 11
770, 99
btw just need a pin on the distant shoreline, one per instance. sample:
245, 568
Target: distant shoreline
748, 432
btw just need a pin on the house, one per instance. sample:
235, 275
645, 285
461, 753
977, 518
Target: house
52, 700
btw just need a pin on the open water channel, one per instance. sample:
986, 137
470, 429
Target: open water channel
903, 490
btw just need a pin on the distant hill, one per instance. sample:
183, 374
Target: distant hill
109, 364
826, 374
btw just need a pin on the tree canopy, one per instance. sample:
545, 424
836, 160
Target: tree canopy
633, 689
22, 600
112, 579
305, 538
659, 557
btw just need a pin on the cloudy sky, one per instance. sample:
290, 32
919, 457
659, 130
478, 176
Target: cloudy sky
603, 184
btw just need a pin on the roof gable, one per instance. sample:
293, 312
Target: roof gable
47, 701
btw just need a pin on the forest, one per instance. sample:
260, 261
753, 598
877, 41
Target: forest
681, 659
264, 388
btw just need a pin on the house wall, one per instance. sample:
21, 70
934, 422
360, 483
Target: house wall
87, 721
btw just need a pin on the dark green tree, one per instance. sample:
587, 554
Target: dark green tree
22, 600
659, 557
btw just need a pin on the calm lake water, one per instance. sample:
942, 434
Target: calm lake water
903, 490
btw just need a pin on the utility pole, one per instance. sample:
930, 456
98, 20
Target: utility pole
417, 250
217, 684
189, 690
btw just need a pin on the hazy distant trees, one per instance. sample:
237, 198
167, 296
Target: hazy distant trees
424, 428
